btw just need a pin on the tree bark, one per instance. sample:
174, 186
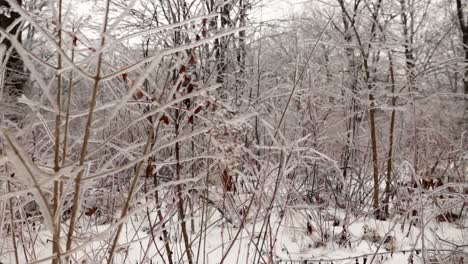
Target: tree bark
349, 153
14, 80
370, 86
220, 46
464, 30
408, 34
388, 182
242, 50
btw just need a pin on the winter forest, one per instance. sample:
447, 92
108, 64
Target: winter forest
233, 131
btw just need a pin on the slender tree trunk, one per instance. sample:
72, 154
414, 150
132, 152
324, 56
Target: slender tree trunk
370, 88
351, 124
86, 136
388, 182
220, 46
56, 234
373, 129
375, 163
13, 235
180, 203
241, 53
410, 67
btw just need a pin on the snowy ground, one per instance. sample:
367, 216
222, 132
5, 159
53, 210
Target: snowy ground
296, 241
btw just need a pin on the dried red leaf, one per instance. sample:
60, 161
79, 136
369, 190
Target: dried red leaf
228, 183
139, 94
192, 60
75, 41
182, 69
91, 211
190, 119
124, 76
149, 170
187, 80
164, 119
309, 228
187, 102
190, 88
198, 109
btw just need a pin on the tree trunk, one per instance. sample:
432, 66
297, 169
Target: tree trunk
220, 46
370, 86
351, 124
464, 30
14, 66
388, 182
408, 34
242, 51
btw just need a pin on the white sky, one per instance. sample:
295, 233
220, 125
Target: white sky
277, 9
266, 9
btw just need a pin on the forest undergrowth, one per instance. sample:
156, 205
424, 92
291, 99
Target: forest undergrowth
202, 131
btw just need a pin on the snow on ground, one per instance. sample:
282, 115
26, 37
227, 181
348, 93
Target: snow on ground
294, 243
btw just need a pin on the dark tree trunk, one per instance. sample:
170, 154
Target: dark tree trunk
14, 78
388, 182
464, 30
